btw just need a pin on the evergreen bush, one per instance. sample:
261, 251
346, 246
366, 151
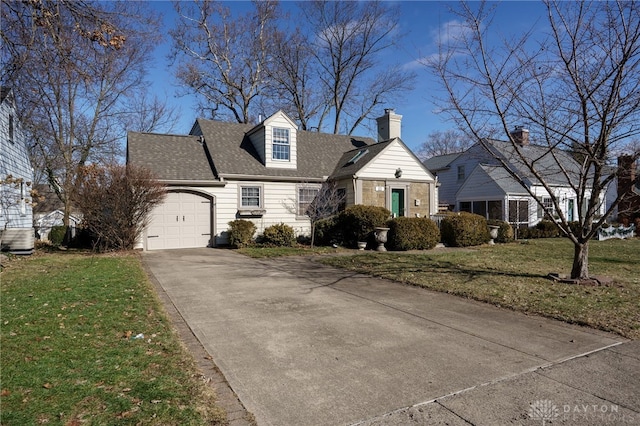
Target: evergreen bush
464, 230
280, 235
56, 234
327, 232
357, 223
547, 229
413, 233
505, 232
241, 232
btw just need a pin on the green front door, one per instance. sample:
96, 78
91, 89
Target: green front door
397, 202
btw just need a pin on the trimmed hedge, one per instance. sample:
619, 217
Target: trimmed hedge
464, 230
413, 233
328, 232
56, 234
241, 232
280, 235
505, 232
357, 223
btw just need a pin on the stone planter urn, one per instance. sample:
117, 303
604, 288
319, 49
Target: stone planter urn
362, 245
493, 231
381, 237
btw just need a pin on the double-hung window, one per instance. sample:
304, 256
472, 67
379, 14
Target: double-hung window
250, 197
306, 196
281, 144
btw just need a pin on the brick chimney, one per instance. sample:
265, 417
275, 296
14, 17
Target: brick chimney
389, 125
520, 135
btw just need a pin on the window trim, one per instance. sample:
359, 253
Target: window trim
461, 175
298, 189
280, 143
251, 210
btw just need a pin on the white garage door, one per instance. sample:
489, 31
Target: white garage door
183, 220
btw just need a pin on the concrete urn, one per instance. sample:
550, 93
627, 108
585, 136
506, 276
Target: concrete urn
380, 234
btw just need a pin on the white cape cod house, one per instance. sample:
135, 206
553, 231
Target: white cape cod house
474, 181
16, 217
269, 173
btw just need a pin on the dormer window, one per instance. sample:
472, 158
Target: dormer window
281, 144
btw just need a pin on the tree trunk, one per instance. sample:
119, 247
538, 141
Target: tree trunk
580, 269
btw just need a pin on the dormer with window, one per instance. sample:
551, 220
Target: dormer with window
275, 140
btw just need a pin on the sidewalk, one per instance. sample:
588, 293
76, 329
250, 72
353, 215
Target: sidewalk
301, 343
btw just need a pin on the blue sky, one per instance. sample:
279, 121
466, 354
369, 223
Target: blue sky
421, 21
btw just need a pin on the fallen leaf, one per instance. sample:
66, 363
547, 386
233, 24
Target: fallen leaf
47, 385
127, 334
5, 392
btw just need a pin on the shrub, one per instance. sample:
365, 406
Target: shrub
357, 223
116, 202
413, 233
505, 232
56, 234
464, 229
547, 229
241, 232
280, 235
327, 232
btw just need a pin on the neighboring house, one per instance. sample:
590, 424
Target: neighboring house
16, 219
269, 173
45, 221
435, 165
49, 212
476, 182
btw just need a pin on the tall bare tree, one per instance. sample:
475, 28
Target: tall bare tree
444, 142
577, 88
349, 39
223, 59
75, 66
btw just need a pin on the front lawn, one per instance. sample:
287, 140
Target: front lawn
514, 276
85, 340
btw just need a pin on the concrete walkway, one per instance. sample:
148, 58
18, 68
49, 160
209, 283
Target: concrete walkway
304, 344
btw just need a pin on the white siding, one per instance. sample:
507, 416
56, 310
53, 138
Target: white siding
280, 204
449, 183
14, 160
281, 121
395, 156
480, 186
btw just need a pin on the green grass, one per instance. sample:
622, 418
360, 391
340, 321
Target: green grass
515, 276
66, 358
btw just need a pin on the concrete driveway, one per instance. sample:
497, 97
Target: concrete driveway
304, 344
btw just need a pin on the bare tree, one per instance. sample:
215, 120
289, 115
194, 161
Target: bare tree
224, 60
444, 142
116, 202
328, 202
577, 88
348, 39
76, 65
295, 81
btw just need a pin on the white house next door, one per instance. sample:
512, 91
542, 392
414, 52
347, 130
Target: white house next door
183, 220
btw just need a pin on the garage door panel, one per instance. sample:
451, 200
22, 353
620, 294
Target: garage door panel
182, 221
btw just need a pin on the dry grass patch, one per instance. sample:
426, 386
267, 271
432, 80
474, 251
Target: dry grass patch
514, 276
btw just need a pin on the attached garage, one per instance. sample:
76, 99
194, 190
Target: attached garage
183, 220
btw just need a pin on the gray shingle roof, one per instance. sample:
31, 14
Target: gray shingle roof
440, 162
227, 150
547, 162
170, 157
233, 152
503, 179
